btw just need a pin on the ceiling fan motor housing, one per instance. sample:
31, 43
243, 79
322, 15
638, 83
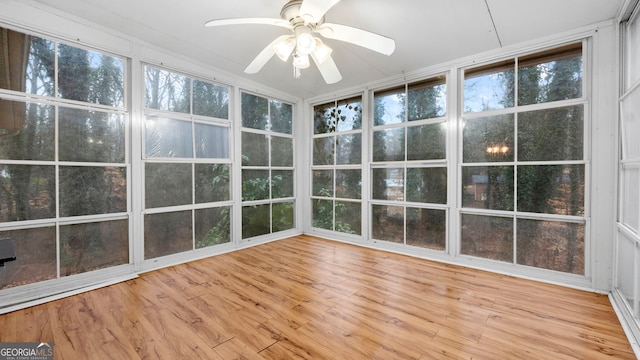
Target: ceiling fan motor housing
291, 10
291, 13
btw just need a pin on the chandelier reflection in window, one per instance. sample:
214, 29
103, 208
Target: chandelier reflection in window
497, 150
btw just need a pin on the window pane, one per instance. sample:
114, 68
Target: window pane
488, 139
89, 190
349, 114
427, 142
427, 99
255, 149
323, 150
630, 125
168, 138
322, 183
349, 149
388, 145
282, 184
167, 185
40, 75
213, 226
388, 184
210, 99
323, 214
282, 215
427, 185
427, 228
630, 198
633, 52
212, 142
255, 220
636, 303
166, 234
551, 189
324, 118
551, 245
488, 187
167, 90
281, 151
89, 76
28, 192
389, 107
26, 131
625, 262
91, 136
551, 75
489, 87
255, 111
487, 237
281, 116
348, 217
255, 185
387, 223
35, 257
553, 134
348, 184
212, 183
92, 246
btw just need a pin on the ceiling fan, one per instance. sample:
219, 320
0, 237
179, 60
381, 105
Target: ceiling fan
304, 18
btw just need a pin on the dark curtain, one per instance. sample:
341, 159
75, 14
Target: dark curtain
14, 57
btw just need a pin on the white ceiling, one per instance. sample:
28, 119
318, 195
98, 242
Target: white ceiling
427, 32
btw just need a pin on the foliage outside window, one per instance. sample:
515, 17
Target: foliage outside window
523, 161
267, 166
187, 163
337, 166
409, 170
63, 159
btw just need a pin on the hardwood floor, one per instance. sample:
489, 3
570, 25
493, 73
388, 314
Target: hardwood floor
308, 298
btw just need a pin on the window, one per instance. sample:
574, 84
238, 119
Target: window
337, 166
523, 161
409, 169
627, 281
63, 159
186, 163
267, 166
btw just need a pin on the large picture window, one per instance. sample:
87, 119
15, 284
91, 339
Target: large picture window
337, 166
187, 163
409, 175
523, 164
268, 186
63, 159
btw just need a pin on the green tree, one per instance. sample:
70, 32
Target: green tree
554, 134
33, 141
210, 99
255, 110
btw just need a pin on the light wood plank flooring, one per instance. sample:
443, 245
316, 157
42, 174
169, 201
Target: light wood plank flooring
308, 298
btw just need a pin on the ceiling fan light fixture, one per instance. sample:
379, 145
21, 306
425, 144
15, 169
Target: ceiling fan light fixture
322, 51
305, 42
301, 61
285, 47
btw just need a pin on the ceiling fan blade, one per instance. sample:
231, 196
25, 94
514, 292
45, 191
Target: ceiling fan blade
367, 39
265, 55
312, 11
328, 70
242, 21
